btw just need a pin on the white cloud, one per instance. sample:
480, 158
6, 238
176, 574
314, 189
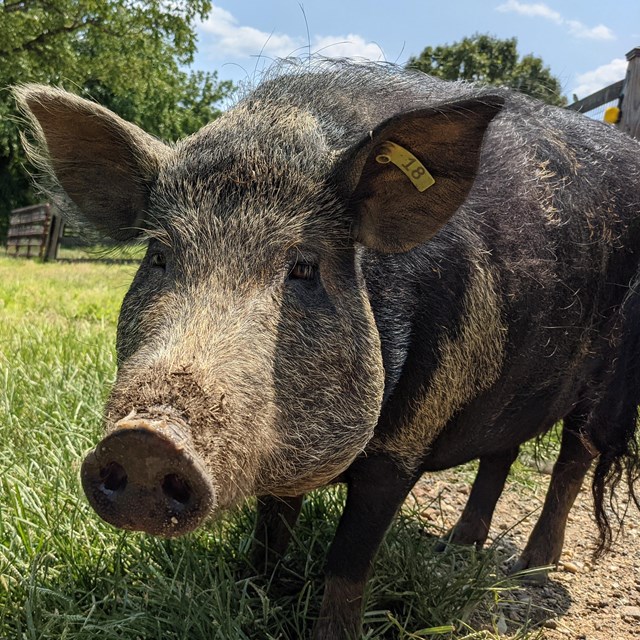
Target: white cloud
236, 40
351, 46
592, 81
541, 10
599, 32
231, 39
536, 10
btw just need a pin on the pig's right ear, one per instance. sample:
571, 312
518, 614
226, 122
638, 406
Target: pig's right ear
105, 165
410, 174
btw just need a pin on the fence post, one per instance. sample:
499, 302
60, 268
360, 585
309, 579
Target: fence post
630, 115
55, 230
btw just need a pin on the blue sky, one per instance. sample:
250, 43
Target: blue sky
584, 43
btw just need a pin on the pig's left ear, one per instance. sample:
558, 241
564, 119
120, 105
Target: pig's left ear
410, 175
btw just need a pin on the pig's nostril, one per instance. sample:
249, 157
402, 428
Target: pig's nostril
114, 477
176, 488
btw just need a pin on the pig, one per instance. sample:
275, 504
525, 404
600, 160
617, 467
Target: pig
358, 274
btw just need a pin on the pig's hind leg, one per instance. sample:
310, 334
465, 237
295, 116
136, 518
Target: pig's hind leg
605, 428
576, 454
473, 525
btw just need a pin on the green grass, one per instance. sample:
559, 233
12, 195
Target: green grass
109, 253
66, 574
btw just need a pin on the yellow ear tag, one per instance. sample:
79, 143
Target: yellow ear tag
407, 163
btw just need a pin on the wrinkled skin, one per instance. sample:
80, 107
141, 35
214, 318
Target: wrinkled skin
305, 314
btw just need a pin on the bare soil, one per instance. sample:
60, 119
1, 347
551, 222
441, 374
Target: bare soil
581, 600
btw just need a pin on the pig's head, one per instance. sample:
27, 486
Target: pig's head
249, 358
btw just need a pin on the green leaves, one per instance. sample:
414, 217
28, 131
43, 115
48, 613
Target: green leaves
486, 59
129, 55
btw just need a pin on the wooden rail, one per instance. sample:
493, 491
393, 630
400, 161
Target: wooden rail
597, 99
626, 91
33, 231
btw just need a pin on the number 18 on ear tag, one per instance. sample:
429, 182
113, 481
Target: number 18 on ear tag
407, 163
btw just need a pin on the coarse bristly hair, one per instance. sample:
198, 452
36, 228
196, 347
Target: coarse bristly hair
286, 81
537, 157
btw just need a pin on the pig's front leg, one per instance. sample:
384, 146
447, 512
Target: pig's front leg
275, 519
376, 489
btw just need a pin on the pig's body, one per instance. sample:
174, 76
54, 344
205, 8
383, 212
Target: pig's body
305, 313
509, 317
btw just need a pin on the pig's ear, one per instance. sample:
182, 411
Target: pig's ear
410, 175
103, 164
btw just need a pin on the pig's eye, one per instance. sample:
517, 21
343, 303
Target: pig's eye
303, 271
158, 259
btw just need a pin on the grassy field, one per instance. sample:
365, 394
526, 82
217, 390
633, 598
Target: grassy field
66, 574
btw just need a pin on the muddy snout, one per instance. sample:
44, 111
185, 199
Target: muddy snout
145, 476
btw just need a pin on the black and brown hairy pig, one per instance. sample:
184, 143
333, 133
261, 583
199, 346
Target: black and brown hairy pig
358, 274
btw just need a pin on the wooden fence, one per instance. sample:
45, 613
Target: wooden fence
624, 93
34, 232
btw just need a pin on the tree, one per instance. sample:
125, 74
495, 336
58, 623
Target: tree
129, 55
489, 60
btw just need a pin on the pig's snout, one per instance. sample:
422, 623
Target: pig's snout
145, 476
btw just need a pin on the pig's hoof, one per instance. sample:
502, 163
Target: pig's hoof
463, 534
444, 543
530, 572
261, 573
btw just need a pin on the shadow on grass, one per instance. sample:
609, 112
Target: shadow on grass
537, 597
105, 584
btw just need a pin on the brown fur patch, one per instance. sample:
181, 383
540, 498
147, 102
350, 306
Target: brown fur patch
467, 365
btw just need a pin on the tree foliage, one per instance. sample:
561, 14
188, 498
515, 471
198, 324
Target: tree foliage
487, 59
129, 55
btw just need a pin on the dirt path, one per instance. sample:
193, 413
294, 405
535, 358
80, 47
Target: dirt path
580, 601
